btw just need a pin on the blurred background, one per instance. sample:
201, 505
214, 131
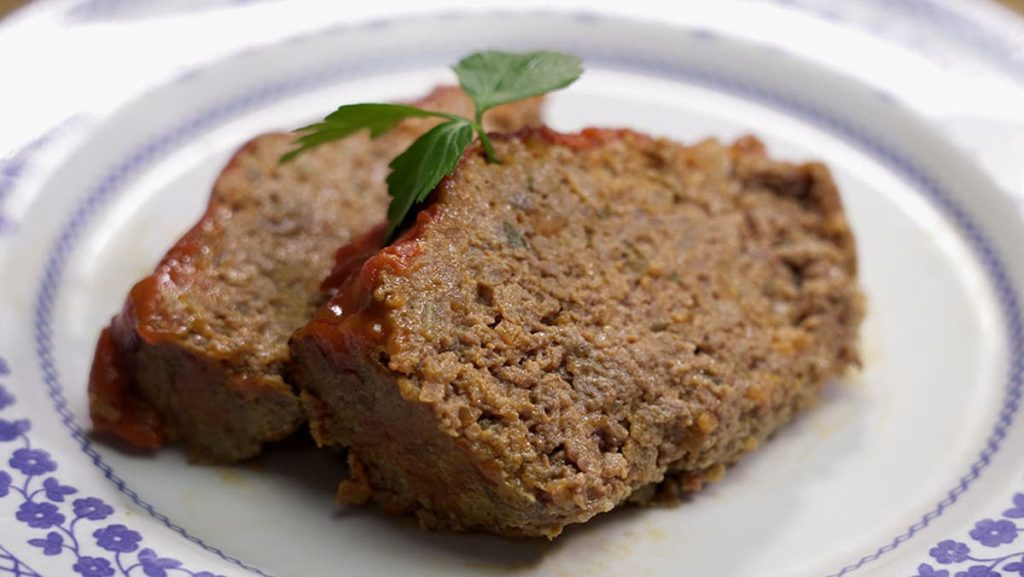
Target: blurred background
958, 62
8, 6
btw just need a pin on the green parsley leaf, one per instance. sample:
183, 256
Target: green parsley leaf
346, 120
419, 169
492, 78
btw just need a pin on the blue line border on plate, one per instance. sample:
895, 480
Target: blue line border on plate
109, 184
993, 45
19, 162
17, 567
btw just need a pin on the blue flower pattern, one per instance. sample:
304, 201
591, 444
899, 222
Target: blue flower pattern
93, 567
117, 538
986, 555
32, 462
52, 545
11, 430
1017, 511
56, 492
950, 551
1015, 567
65, 521
992, 533
978, 571
39, 515
154, 566
926, 570
92, 509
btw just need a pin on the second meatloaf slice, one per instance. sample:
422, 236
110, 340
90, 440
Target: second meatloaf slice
198, 352
594, 315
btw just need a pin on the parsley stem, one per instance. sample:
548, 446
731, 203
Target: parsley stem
478, 125
488, 147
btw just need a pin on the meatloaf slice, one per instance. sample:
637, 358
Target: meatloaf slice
198, 351
569, 327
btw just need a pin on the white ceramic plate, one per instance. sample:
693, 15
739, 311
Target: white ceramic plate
912, 466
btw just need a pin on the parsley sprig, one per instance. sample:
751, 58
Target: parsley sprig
490, 78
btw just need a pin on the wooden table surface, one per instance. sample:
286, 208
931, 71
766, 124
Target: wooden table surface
8, 6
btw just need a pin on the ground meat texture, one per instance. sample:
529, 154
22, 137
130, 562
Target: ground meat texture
597, 318
199, 351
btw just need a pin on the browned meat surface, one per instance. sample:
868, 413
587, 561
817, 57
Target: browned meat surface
596, 316
197, 353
